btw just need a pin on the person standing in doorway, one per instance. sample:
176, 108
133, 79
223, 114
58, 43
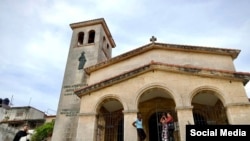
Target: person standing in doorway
138, 125
164, 131
21, 133
171, 128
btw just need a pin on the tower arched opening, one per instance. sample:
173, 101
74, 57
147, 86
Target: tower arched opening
80, 38
91, 36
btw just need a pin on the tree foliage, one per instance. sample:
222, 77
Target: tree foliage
44, 131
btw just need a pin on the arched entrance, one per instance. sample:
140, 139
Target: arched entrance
208, 109
110, 121
155, 127
152, 104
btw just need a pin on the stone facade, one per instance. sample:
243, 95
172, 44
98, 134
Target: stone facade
95, 51
196, 84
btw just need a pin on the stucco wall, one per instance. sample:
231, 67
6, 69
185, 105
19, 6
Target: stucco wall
182, 88
191, 59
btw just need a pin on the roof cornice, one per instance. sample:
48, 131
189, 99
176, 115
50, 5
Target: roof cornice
206, 72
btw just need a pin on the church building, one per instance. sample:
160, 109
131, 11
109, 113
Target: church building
101, 95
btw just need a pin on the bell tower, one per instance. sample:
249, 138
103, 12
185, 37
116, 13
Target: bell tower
91, 43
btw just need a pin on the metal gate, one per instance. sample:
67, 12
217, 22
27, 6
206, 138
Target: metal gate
110, 126
207, 115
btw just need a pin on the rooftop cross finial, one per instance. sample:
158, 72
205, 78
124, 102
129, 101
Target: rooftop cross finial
153, 39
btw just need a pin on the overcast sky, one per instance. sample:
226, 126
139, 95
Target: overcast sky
35, 37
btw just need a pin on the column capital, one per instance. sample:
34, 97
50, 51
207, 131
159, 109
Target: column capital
130, 111
87, 114
184, 108
236, 104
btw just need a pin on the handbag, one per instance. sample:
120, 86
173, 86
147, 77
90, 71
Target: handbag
171, 125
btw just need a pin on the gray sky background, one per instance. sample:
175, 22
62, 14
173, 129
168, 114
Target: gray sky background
35, 37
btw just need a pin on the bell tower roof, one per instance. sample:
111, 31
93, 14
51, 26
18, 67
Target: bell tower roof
95, 22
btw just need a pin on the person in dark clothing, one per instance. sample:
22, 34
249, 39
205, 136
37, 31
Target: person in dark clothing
170, 120
21, 133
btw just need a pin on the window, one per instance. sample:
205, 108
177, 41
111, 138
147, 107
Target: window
91, 36
19, 113
103, 42
80, 38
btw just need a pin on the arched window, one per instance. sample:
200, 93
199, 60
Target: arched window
91, 36
80, 38
103, 42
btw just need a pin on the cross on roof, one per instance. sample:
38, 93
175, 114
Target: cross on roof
153, 39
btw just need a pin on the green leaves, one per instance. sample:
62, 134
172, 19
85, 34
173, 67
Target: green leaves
44, 131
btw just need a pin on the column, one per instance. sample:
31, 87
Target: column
86, 127
130, 132
238, 113
185, 117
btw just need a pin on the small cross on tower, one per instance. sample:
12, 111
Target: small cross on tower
153, 39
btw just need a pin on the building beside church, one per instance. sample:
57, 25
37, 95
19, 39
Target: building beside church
101, 94
12, 119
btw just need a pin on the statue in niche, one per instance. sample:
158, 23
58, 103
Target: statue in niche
82, 61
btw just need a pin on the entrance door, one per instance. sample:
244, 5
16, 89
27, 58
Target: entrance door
155, 127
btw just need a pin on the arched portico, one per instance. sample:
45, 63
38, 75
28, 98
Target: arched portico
109, 120
152, 102
208, 107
